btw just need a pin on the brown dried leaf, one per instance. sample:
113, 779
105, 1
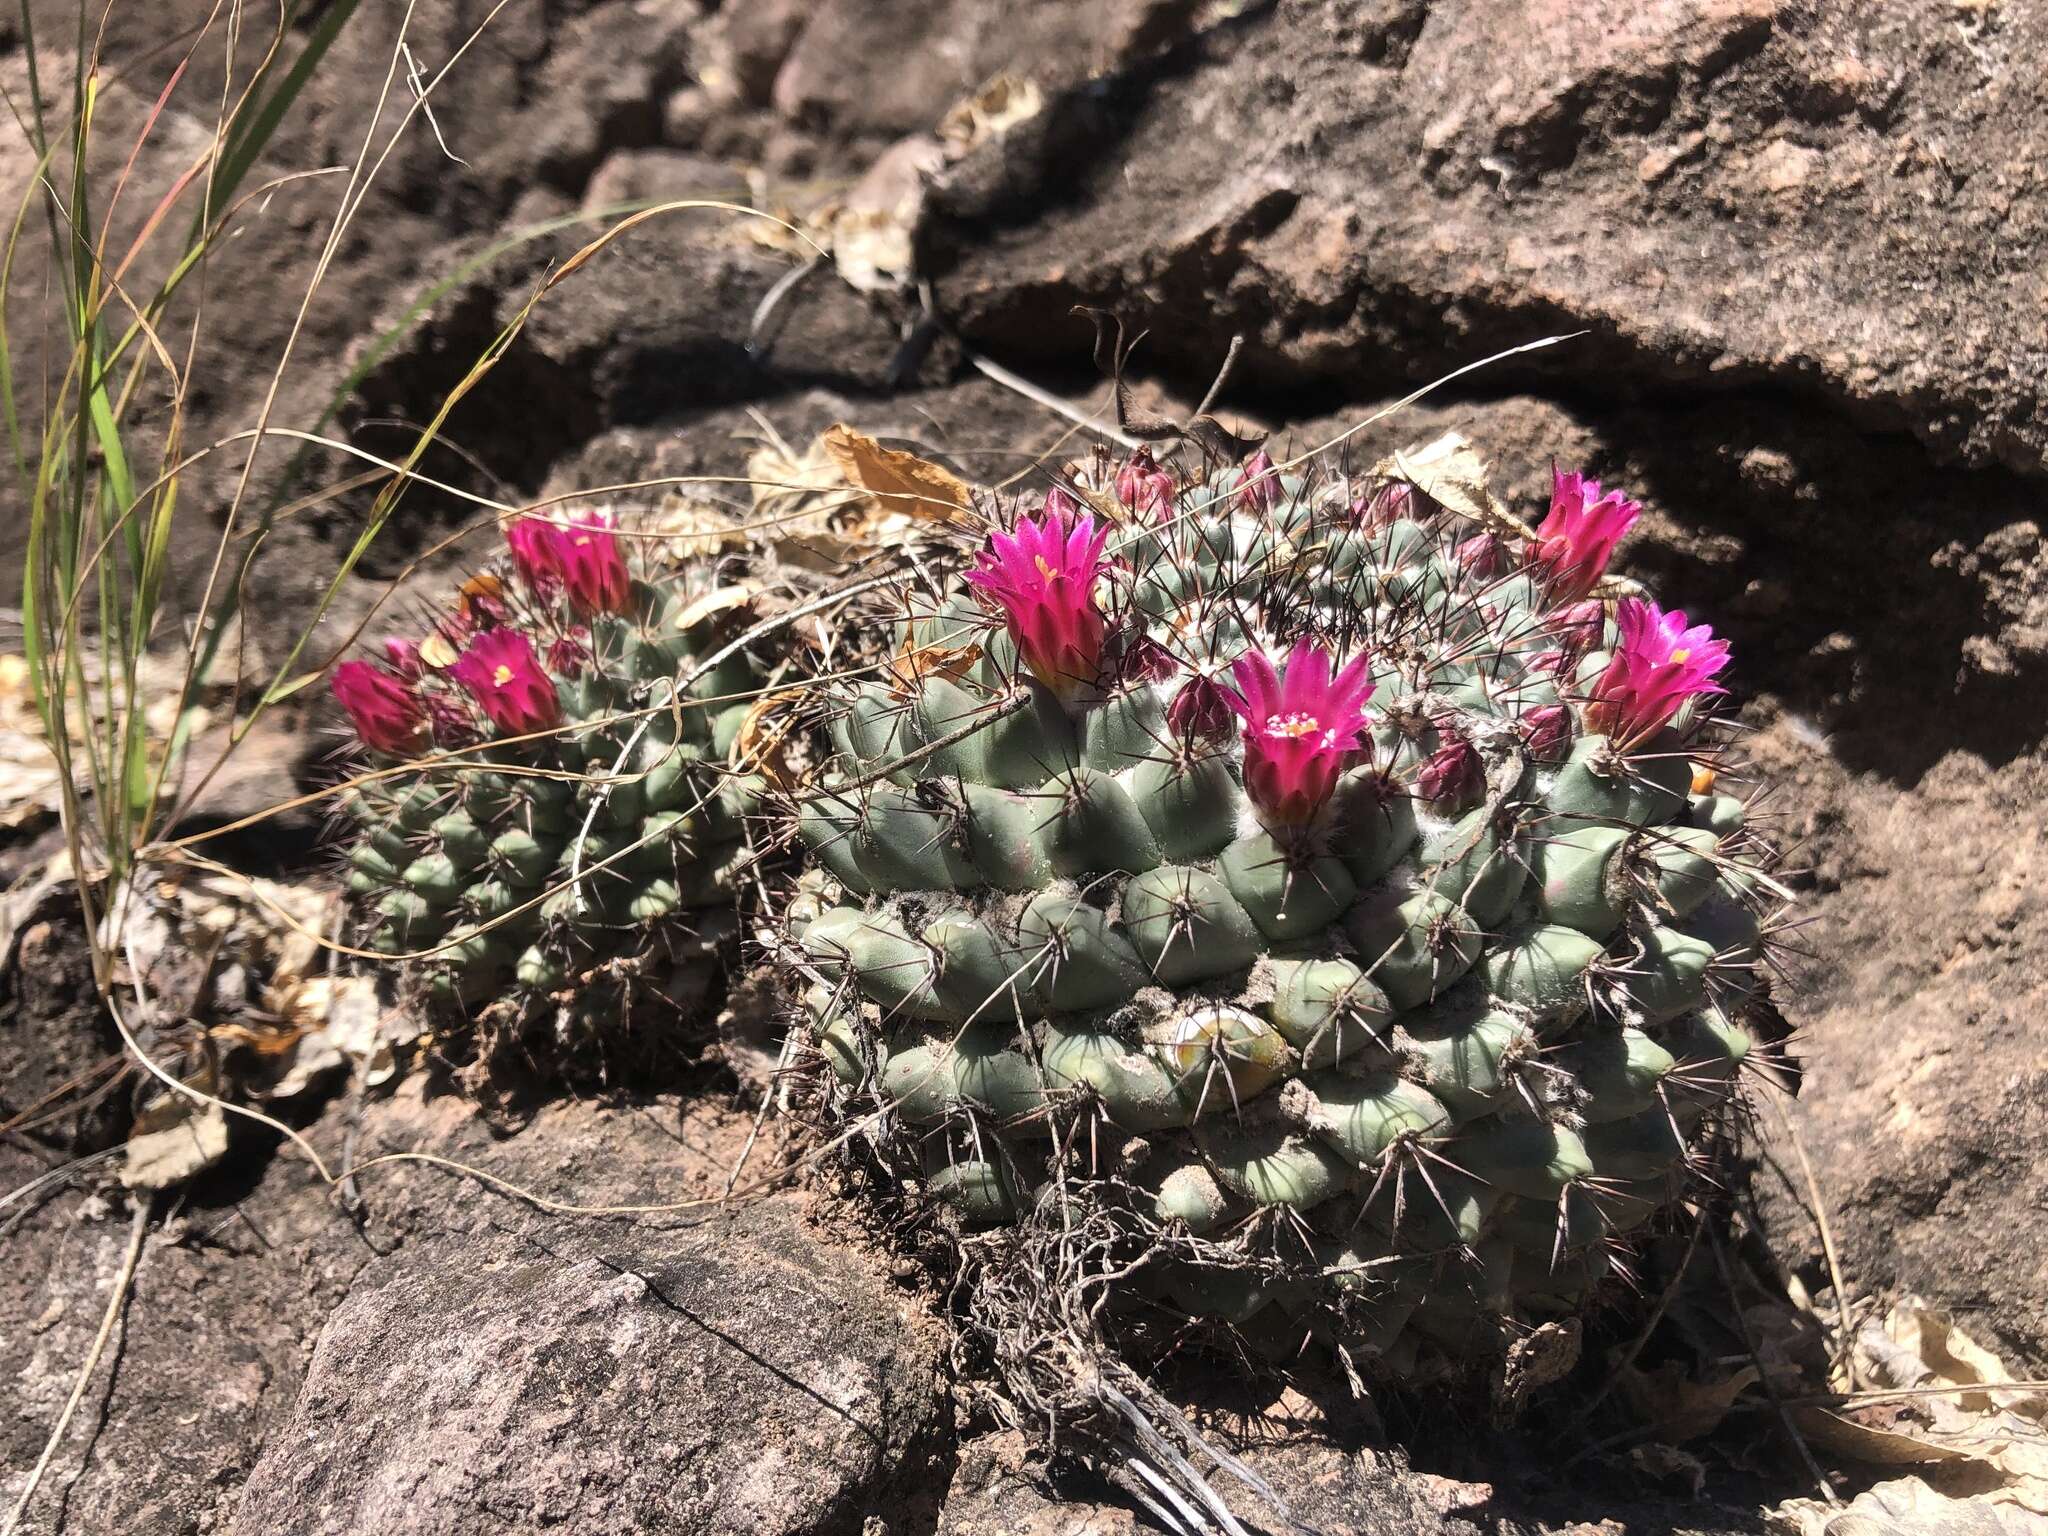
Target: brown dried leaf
1953, 1358
769, 739
174, 1139
897, 481
794, 490
1906, 1506
873, 233
338, 1022
718, 600
1451, 472
1678, 1407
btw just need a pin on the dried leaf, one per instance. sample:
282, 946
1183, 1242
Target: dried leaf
791, 490
1679, 1407
1906, 1506
438, 652
718, 600
338, 1022
895, 480
1000, 105
768, 738
174, 1140
1953, 1358
1450, 472
872, 233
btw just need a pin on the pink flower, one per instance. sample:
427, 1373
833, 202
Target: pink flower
536, 553
1258, 484
569, 654
1388, 503
1144, 660
578, 551
1453, 778
452, 723
1482, 555
1144, 487
1302, 729
502, 674
403, 657
593, 569
1574, 543
1577, 626
1042, 575
1546, 731
1203, 710
385, 712
1659, 664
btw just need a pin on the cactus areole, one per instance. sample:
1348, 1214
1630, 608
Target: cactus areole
1327, 895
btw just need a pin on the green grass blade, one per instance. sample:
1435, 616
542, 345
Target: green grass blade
248, 141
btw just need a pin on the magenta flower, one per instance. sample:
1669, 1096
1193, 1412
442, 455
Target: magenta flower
502, 674
536, 553
1302, 729
385, 712
1574, 543
1042, 576
569, 653
1144, 487
1258, 484
1453, 778
593, 568
1388, 503
1483, 555
1659, 664
1203, 710
403, 657
579, 552
1546, 731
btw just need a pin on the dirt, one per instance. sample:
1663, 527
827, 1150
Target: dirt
1795, 248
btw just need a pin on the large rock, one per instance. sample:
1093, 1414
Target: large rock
738, 1378
1724, 195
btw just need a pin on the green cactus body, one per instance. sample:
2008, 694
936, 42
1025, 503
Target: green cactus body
553, 880
1456, 1036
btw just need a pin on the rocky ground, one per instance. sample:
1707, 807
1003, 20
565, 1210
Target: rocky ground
1796, 250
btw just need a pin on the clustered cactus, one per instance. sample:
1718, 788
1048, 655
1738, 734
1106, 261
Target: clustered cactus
1329, 892
549, 837
1323, 898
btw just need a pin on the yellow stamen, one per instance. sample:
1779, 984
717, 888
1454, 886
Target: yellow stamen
502, 676
1680, 654
1292, 725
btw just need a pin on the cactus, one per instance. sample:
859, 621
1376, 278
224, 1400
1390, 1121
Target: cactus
550, 836
1332, 892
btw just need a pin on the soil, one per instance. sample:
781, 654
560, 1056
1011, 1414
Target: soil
1796, 249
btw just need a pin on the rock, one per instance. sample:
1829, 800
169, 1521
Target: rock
232, 1295
1351, 186
1924, 1111
661, 175
744, 1377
